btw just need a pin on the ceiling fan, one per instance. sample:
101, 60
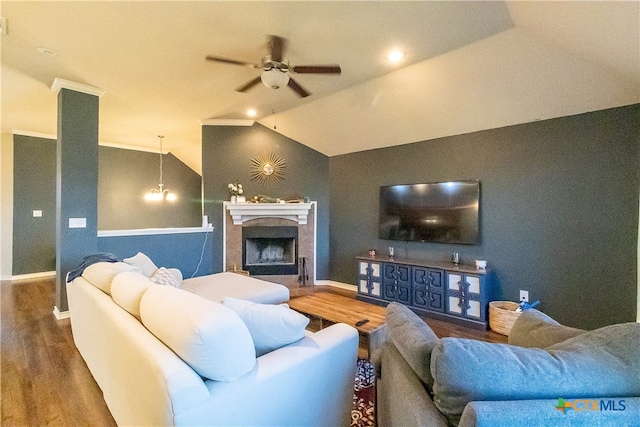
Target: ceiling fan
276, 69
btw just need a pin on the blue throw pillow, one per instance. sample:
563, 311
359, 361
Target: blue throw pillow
596, 364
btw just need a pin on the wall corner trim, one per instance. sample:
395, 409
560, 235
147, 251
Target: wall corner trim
60, 315
34, 134
226, 122
59, 84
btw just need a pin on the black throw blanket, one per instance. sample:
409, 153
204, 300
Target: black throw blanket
87, 261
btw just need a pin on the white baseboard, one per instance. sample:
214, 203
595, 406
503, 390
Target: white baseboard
34, 275
61, 314
335, 284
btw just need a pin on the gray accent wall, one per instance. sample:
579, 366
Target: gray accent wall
125, 176
34, 177
559, 209
226, 157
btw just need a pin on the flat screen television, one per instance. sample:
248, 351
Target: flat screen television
442, 212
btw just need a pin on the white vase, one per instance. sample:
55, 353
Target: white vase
233, 199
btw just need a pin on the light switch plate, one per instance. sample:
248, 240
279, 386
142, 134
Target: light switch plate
77, 222
37, 214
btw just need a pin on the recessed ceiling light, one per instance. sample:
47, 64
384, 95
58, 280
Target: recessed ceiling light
251, 112
395, 56
47, 51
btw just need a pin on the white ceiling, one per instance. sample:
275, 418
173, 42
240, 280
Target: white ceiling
469, 66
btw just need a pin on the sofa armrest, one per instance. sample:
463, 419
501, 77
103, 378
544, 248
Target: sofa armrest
619, 411
309, 382
401, 398
143, 382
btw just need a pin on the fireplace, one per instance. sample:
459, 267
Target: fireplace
270, 250
301, 263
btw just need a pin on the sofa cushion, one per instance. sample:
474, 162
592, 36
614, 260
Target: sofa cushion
413, 338
535, 329
127, 289
208, 336
600, 363
163, 276
143, 262
271, 326
101, 274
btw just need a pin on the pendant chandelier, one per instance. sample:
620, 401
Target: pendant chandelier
159, 194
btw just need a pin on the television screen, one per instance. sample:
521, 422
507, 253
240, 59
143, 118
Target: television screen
443, 212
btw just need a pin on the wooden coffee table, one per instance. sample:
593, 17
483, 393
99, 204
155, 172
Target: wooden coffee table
327, 308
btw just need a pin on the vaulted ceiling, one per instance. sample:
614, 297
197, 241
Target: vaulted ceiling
468, 66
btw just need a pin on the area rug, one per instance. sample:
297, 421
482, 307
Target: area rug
364, 396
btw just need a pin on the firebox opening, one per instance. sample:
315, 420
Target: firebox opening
270, 250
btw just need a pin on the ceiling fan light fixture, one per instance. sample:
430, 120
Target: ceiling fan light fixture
274, 78
395, 56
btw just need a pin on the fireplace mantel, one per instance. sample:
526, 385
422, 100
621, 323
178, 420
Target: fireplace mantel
241, 212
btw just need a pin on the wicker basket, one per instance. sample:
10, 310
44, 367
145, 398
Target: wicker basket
502, 314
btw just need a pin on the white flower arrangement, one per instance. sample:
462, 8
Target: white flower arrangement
235, 188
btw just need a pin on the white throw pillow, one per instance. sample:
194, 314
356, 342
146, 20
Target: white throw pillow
164, 277
177, 274
208, 336
101, 274
143, 262
271, 326
127, 290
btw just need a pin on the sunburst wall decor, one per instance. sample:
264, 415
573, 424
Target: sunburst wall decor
267, 168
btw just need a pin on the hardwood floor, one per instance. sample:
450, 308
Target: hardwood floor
44, 380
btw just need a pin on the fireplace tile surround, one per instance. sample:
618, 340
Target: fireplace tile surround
259, 215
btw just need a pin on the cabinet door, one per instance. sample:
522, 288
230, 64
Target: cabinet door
427, 288
473, 296
464, 295
396, 283
456, 303
369, 278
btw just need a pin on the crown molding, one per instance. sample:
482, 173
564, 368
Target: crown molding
59, 84
226, 122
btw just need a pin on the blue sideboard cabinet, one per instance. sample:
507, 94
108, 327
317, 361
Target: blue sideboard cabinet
440, 290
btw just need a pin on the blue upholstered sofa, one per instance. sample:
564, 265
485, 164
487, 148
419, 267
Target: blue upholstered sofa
548, 374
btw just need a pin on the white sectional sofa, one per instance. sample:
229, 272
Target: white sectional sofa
153, 349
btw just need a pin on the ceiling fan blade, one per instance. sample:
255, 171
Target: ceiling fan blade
297, 88
249, 85
277, 45
231, 61
316, 69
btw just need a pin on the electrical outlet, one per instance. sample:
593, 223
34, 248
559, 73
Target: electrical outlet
524, 296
